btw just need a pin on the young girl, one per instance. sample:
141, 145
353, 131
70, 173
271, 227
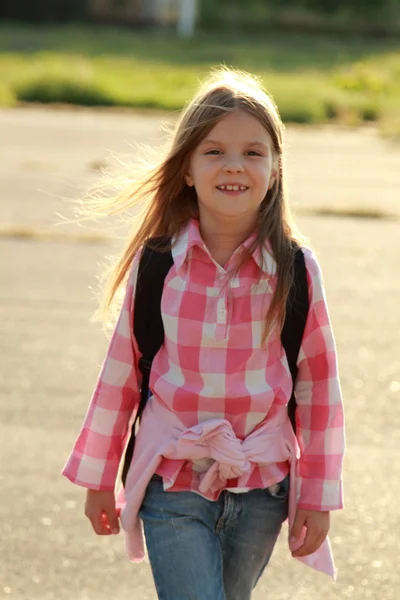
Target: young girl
217, 466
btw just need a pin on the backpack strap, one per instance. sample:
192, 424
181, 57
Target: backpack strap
295, 322
147, 322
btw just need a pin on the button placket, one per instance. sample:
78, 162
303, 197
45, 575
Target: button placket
222, 317
221, 310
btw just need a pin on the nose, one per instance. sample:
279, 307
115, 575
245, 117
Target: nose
233, 165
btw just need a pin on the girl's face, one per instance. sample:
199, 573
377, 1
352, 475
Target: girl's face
232, 169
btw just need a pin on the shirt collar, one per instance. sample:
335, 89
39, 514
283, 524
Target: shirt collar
190, 236
263, 257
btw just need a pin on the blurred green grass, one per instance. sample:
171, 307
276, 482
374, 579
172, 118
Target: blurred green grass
313, 78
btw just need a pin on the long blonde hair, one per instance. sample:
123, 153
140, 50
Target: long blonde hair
170, 203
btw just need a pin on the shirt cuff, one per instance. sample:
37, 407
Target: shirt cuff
320, 494
91, 473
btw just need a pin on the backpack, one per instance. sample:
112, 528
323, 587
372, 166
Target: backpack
155, 262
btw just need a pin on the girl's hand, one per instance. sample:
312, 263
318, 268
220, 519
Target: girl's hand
317, 524
101, 511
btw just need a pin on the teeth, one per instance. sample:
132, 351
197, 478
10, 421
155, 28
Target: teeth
234, 188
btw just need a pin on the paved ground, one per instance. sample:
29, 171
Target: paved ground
50, 356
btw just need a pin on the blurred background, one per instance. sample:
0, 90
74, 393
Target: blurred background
323, 60
83, 86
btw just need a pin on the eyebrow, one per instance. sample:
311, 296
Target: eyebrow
219, 143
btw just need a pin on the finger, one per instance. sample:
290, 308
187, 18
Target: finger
297, 527
95, 517
103, 527
319, 542
99, 525
309, 546
306, 550
112, 520
104, 521
309, 540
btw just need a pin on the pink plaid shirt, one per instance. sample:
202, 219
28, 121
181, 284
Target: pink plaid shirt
217, 418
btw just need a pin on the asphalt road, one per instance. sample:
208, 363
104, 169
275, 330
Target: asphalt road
50, 355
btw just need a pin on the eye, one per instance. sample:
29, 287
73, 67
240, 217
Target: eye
253, 153
213, 152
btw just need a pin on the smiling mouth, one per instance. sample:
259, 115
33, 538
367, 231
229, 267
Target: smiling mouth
232, 188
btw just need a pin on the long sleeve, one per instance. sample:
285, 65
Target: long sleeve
320, 420
95, 457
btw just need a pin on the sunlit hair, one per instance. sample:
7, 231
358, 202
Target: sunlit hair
169, 203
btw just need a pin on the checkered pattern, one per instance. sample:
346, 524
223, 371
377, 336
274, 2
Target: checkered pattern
212, 366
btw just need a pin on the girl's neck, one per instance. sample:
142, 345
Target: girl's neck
223, 238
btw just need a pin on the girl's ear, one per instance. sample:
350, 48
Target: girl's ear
189, 180
273, 178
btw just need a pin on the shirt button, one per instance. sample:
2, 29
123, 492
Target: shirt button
221, 315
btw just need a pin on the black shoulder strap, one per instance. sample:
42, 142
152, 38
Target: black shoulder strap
154, 265
147, 323
295, 321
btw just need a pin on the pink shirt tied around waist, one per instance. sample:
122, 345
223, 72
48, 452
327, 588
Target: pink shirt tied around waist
213, 439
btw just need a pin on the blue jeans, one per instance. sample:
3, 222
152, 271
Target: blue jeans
204, 550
